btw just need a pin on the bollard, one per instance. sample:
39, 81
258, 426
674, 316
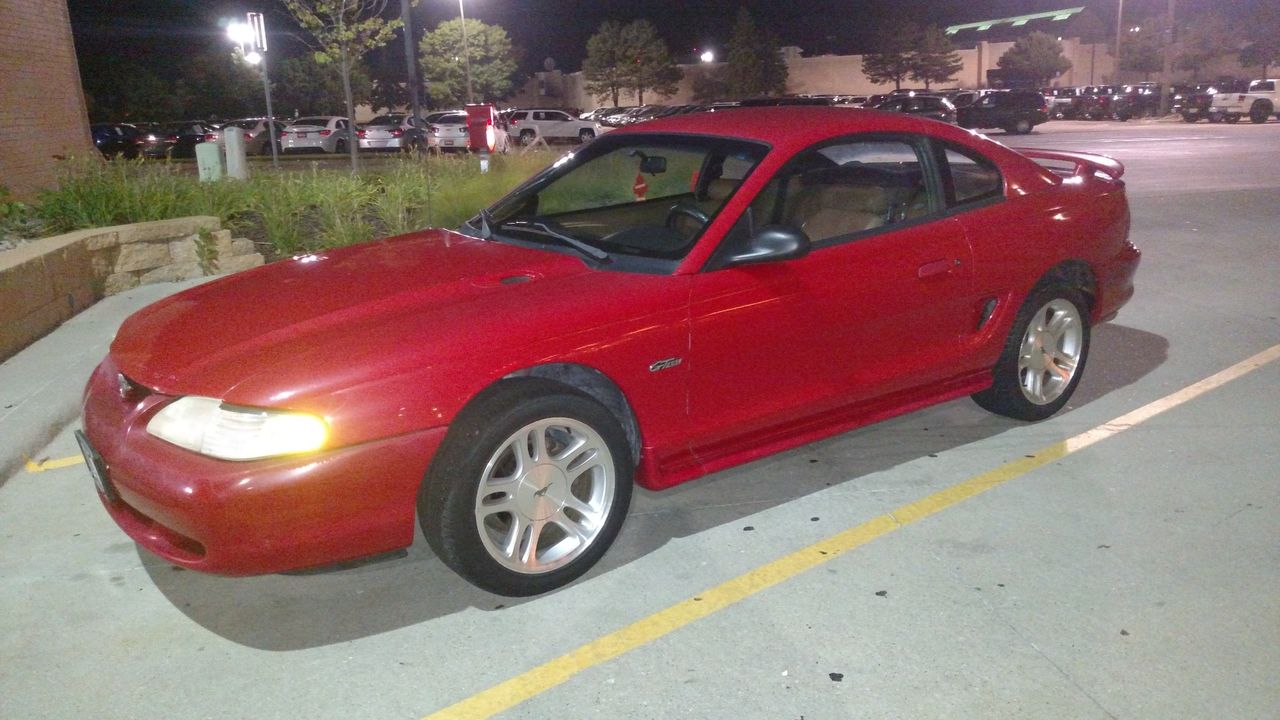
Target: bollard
209, 161
237, 165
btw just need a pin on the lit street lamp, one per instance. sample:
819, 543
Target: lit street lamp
466, 54
252, 39
707, 56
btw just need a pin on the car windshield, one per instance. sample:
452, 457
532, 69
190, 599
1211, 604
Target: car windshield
386, 120
646, 197
321, 121
244, 124
453, 119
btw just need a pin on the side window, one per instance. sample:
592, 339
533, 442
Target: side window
558, 116
971, 178
849, 187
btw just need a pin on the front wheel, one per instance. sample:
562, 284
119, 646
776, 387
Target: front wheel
529, 489
1043, 357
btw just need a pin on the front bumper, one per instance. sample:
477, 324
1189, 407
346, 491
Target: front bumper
244, 518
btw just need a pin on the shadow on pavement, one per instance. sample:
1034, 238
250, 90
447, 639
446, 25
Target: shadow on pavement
335, 605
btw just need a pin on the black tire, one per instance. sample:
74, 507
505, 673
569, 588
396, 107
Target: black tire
340, 147
1232, 119
586, 135
1259, 112
528, 136
1022, 126
465, 529
1024, 352
1189, 118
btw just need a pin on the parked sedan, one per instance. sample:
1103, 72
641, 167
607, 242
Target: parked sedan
181, 138
398, 131
667, 301
116, 139
328, 133
256, 133
448, 133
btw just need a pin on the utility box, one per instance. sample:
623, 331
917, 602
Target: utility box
209, 161
482, 120
237, 164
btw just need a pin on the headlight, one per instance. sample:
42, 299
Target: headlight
207, 426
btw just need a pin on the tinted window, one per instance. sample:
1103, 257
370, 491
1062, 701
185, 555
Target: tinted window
972, 178
847, 188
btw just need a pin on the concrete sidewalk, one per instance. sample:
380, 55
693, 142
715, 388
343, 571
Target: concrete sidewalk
40, 387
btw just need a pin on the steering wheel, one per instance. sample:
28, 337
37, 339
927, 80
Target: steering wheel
682, 209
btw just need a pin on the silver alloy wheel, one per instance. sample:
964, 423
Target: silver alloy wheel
1050, 352
545, 495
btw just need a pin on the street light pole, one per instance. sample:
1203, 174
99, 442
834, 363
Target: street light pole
466, 53
252, 39
1119, 30
411, 60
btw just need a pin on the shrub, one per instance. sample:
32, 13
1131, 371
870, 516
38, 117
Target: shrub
297, 209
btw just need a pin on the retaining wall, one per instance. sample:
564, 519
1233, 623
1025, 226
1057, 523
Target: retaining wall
45, 282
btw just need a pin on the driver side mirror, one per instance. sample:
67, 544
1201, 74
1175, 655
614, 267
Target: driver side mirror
771, 243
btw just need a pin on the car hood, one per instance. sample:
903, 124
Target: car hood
300, 322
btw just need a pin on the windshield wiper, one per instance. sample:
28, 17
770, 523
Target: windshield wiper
542, 228
485, 229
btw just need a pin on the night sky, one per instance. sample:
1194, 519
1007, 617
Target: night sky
161, 32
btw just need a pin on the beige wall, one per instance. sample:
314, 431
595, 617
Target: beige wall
825, 75
42, 111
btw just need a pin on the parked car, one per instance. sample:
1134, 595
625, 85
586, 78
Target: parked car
116, 139
775, 276
448, 133
1065, 103
929, 106
256, 133
326, 133
1098, 102
397, 131
1014, 111
153, 140
550, 125
181, 138
1257, 102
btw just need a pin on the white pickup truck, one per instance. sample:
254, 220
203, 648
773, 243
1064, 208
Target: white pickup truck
1258, 103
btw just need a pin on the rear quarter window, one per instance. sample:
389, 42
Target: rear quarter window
973, 178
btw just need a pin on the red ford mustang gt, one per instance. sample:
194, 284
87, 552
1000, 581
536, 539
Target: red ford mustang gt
667, 301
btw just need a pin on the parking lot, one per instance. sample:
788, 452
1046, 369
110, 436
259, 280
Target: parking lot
1119, 560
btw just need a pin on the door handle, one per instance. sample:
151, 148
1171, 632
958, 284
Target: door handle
935, 268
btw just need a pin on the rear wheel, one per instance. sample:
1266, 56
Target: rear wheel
528, 136
1043, 357
586, 135
1259, 112
529, 488
1022, 126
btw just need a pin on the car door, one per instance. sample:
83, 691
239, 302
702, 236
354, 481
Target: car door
876, 309
555, 124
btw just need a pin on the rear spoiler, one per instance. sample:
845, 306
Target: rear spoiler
1085, 163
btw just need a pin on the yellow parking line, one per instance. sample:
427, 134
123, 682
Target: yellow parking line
512, 692
39, 467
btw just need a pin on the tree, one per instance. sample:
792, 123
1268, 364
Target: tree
652, 68
1264, 39
629, 57
1037, 57
1206, 38
935, 59
709, 85
753, 63
1141, 50
891, 62
304, 87
342, 33
488, 51
604, 68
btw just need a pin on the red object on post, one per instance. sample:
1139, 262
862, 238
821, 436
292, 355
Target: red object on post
481, 119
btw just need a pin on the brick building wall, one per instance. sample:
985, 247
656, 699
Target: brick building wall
42, 110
